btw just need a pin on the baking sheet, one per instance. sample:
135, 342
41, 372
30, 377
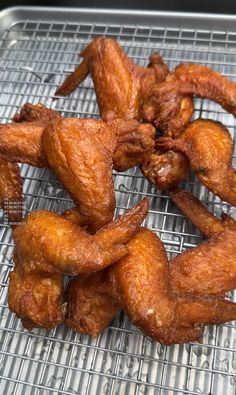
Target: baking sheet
38, 47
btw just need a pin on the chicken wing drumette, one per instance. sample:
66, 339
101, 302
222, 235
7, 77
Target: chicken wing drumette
209, 148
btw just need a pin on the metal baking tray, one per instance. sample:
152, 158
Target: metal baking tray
38, 47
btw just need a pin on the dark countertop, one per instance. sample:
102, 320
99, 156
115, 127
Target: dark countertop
211, 6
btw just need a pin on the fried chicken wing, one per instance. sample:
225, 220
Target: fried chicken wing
36, 298
209, 148
22, 142
11, 190
49, 243
80, 152
36, 284
164, 100
139, 284
121, 86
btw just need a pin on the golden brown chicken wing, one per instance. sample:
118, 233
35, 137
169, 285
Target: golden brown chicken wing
80, 152
164, 100
23, 142
49, 243
36, 298
11, 191
121, 86
139, 284
209, 147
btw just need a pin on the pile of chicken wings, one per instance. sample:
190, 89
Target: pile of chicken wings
118, 264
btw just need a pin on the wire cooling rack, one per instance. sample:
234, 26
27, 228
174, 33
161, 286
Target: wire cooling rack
35, 57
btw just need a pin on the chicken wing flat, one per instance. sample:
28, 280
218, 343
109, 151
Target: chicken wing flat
209, 148
49, 243
139, 284
80, 152
164, 100
11, 190
121, 86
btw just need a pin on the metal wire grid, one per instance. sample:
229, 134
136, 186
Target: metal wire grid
35, 56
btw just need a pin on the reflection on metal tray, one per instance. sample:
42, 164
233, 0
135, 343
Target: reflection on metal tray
38, 47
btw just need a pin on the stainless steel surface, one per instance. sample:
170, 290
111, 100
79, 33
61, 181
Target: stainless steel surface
38, 48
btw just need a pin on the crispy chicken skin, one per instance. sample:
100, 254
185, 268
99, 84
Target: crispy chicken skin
121, 86
139, 284
164, 100
80, 152
36, 298
49, 243
11, 190
90, 306
165, 170
209, 148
